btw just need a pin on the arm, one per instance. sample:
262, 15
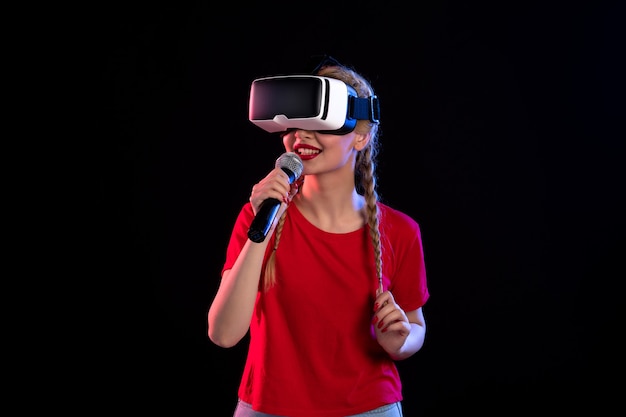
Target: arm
230, 313
400, 333
231, 310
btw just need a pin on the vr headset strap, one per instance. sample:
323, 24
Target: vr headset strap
364, 108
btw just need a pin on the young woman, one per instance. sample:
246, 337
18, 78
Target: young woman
334, 295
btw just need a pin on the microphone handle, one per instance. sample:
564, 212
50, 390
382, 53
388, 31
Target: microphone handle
263, 220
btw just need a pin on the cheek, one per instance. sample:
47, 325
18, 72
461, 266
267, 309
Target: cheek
288, 141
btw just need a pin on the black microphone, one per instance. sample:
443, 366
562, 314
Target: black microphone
291, 163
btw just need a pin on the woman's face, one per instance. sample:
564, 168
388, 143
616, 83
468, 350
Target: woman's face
323, 152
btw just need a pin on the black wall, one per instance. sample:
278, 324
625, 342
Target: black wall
500, 136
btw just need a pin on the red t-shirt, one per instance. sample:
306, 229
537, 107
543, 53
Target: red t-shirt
312, 349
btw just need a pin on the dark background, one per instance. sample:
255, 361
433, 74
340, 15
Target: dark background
501, 135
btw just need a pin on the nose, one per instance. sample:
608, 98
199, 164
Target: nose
303, 134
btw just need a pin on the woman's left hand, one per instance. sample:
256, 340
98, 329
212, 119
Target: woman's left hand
390, 323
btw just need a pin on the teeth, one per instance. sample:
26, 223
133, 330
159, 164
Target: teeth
302, 151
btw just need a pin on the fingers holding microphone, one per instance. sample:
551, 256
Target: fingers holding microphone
275, 185
269, 198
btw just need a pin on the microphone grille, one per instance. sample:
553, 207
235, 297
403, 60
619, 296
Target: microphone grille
292, 162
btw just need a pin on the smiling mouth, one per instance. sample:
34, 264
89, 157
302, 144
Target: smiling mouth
307, 152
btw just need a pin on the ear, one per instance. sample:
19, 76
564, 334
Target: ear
361, 141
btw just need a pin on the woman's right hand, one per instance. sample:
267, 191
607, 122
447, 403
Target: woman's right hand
274, 185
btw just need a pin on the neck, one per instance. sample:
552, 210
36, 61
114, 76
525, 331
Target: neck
331, 207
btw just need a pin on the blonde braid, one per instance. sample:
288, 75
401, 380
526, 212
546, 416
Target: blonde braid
365, 171
269, 278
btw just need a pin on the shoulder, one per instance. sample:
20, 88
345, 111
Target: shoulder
392, 216
397, 226
245, 216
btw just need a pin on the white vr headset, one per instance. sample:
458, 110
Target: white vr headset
309, 102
